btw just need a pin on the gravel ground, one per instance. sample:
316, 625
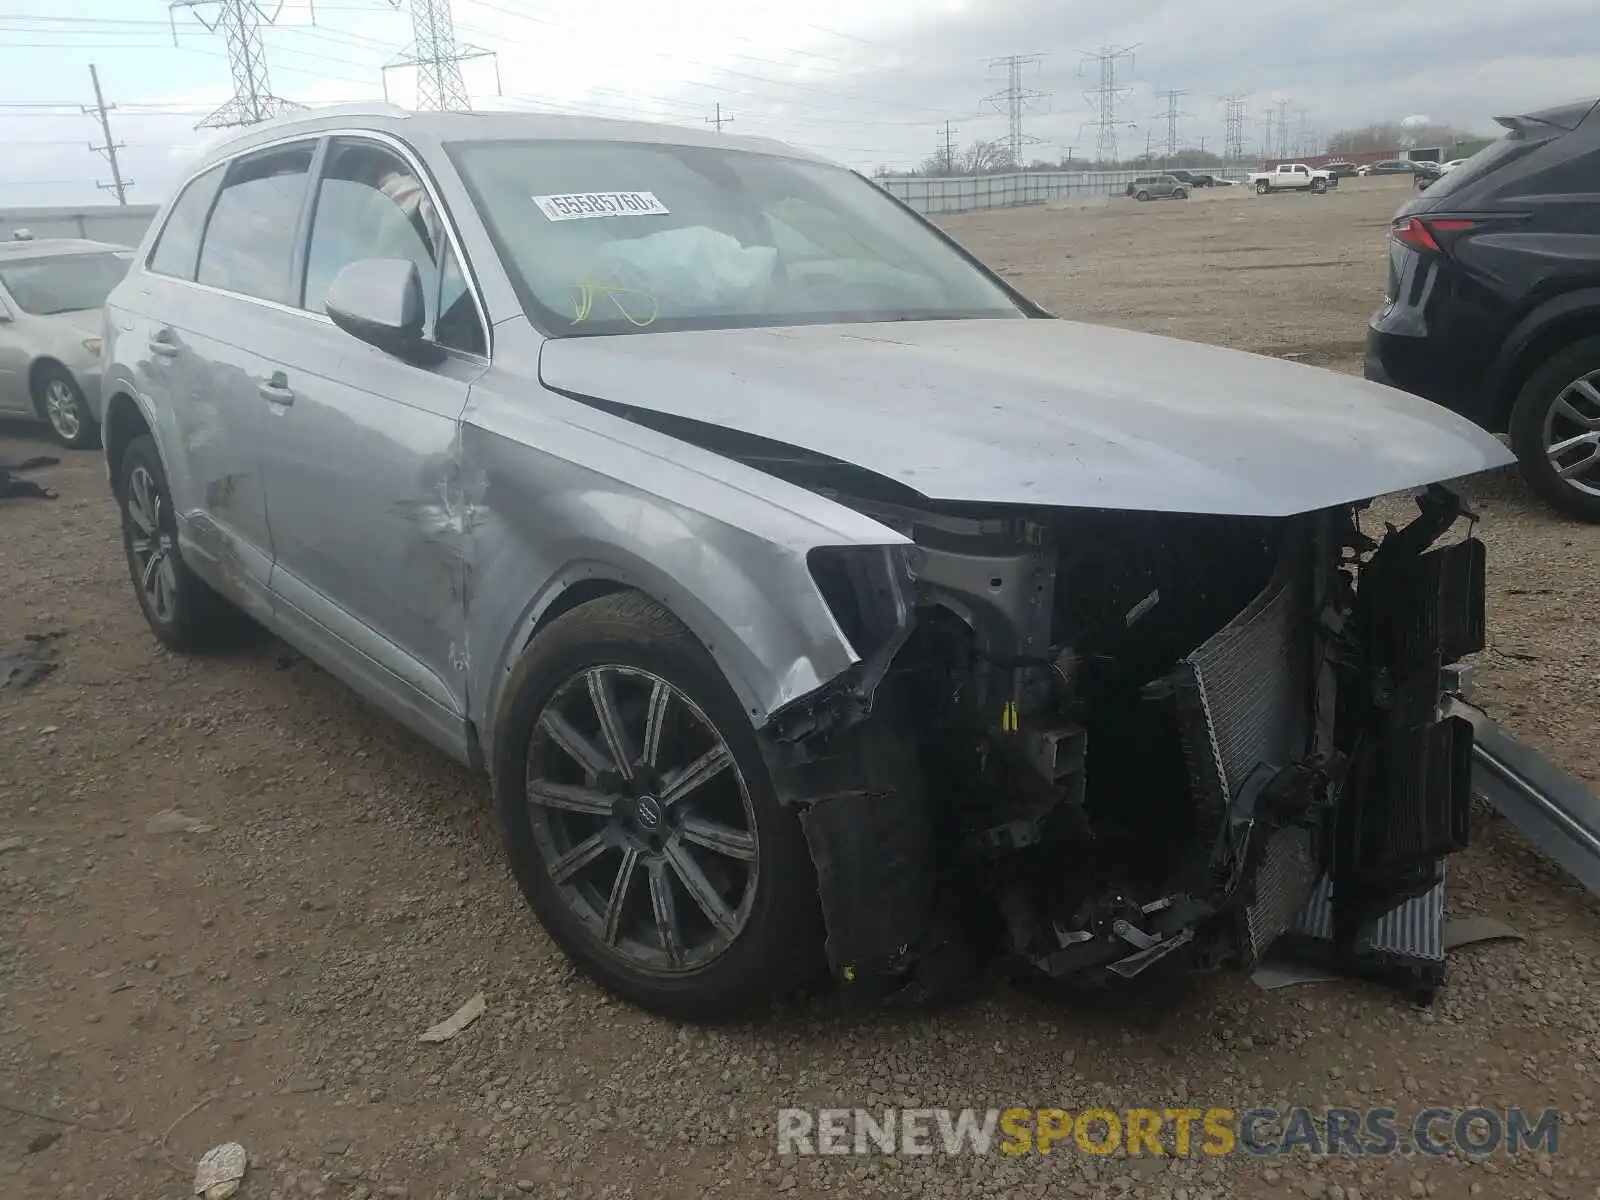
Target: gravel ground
265, 978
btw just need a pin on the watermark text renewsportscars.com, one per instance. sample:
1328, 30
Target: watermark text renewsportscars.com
1264, 1132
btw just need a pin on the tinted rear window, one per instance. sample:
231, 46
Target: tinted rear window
178, 244
249, 242
1491, 158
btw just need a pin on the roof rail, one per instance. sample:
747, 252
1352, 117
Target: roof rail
293, 116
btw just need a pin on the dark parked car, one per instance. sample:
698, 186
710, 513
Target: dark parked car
1393, 166
1194, 179
1341, 169
1424, 172
1493, 305
1158, 187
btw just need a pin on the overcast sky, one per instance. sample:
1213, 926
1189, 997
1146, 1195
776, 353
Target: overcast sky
868, 82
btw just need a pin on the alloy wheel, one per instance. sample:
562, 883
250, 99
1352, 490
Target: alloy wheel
1572, 434
152, 546
61, 408
642, 818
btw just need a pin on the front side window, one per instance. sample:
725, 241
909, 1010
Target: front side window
64, 283
249, 240
619, 237
178, 246
370, 204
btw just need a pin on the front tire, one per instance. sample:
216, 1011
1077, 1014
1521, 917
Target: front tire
1142, 196
1318, 187
641, 822
1180, 194
181, 610
60, 401
1555, 431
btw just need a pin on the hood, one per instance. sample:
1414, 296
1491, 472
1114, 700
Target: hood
1043, 412
82, 321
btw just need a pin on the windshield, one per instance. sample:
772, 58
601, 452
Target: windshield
70, 283
618, 237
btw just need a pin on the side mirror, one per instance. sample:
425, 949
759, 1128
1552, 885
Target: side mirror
379, 301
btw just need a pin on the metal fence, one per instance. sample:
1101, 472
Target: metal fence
121, 225
966, 193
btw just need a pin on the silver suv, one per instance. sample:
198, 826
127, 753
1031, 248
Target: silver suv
810, 596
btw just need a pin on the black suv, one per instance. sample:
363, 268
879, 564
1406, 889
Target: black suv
1493, 300
1193, 178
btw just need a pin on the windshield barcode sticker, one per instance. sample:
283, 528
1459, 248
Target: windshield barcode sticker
572, 206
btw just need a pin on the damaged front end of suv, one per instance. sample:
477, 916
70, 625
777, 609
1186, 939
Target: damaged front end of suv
1095, 742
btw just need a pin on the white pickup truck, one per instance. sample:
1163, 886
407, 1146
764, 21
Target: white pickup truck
1293, 177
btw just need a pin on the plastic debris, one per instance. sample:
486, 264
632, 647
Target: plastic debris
172, 821
31, 663
463, 1016
1469, 931
221, 1171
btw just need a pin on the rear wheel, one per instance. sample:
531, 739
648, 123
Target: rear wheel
1142, 196
60, 401
1262, 187
641, 822
1555, 431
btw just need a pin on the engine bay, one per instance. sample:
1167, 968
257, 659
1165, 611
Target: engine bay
1087, 742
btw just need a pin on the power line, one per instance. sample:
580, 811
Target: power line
1105, 97
240, 22
1016, 98
111, 146
719, 120
438, 58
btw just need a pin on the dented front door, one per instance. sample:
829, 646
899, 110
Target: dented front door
360, 464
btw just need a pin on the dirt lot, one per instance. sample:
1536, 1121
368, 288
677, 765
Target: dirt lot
264, 979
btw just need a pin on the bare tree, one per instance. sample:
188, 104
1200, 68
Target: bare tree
985, 156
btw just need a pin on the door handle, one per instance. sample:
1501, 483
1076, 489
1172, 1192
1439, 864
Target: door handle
276, 390
164, 344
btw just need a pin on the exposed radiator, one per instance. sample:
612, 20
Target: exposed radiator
1253, 677
1287, 875
1243, 706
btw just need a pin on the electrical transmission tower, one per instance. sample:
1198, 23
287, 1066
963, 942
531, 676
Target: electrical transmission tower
1283, 129
437, 56
239, 22
1234, 115
101, 109
1104, 98
1171, 116
1016, 98
1303, 146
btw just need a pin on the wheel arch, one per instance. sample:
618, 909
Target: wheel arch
617, 569
1547, 330
124, 420
36, 370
